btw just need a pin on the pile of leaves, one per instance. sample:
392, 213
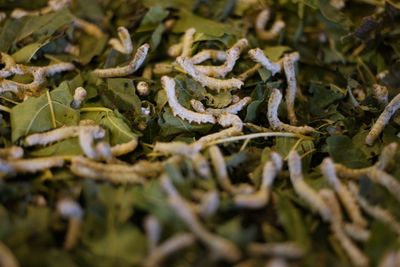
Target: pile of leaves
344, 53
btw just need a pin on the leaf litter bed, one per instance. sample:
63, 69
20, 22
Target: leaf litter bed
199, 133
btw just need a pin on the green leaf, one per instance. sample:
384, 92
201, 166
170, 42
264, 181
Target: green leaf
25, 54
342, 150
34, 114
121, 93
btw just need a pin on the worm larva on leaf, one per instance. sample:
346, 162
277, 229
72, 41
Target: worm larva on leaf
124, 43
262, 20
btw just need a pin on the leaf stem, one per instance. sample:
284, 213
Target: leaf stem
53, 116
257, 135
95, 109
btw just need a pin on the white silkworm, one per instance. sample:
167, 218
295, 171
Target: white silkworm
187, 42
221, 248
175, 50
163, 68
52, 5
178, 110
153, 231
143, 88
249, 72
288, 250
10, 67
232, 109
219, 165
211, 83
259, 57
273, 105
87, 27
13, 167
12, 152
289, 68
386, 156
380, 93
124, 43
72, 211
232, 55
87, 136
7, 258
103, 151
124, 148
261, 197
79, 96
348, 201
197, 106
262, 20
60, 134
206, 54
338, 4
383, 119
168, 247
132, 66
114, 173
179, 148
303, 189
376, 211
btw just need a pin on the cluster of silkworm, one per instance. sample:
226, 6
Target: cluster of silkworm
261, 20
39, 75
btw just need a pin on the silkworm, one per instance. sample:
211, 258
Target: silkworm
175, 50
353, 252
124, 43
375, 211
163, 68
262, 20
79, 96
259, 57
11, 152
303, 189
390, 259
102, 151
232, 55
87, 27
63, 133
273, 105
187, 42
206, 54
114, 173
169, 247
386, 156
337, 4
71, 49
13, 167
7, 258
221, 248
261, 197
178, 110
9, 65
382, 120
211, 83
232, 109
328, 170
287, 250
124, 148
219, 165
132, 66
197, 106
380, 93
72, 211
52, 5
209, 204
288, 66
153, 231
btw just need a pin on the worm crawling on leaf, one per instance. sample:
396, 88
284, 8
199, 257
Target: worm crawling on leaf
220, 247
381, 94
16, 166
185, 47
79, 96
52, 5
262, 20
132, 66
232, 55
382, 120
178, 110
258, 56
289, 68
206, 81
356, 256
124, 43
348, 201
304, 190
206, 54
273, 105
153, 231
88, 27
